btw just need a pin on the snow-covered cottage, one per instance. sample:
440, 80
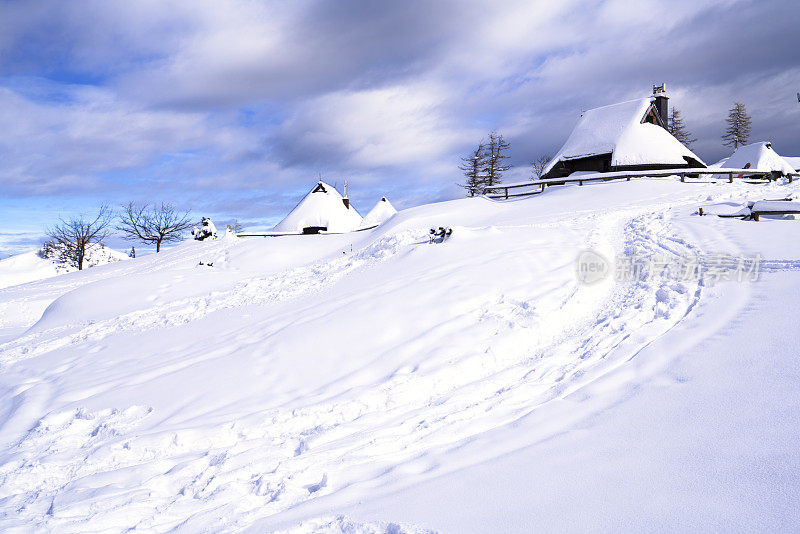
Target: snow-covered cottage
380, 212
759, 156
323, 209
626, 136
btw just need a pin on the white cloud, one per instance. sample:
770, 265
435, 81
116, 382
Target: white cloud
398, 125
52, 147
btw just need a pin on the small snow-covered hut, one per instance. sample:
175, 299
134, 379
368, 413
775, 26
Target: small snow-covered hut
380, 212
323, 209
759, 156
626, 136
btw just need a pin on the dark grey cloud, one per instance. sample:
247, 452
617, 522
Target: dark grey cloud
297, 51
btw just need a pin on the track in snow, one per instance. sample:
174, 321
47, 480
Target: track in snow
226, 475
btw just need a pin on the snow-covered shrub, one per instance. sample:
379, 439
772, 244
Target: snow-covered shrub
206, 231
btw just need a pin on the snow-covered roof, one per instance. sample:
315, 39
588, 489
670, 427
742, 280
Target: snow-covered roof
759, 156
380, 212
619, 129
717, 165
794, 161
323, 206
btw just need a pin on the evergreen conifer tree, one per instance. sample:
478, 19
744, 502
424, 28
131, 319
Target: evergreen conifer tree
739, 125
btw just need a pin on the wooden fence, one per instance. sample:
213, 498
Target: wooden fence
505, 191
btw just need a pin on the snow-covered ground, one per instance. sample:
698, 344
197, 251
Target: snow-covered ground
30, 266
373, 382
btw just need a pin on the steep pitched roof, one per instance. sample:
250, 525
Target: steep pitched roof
380, 212
323, 206
622, 131
760, 156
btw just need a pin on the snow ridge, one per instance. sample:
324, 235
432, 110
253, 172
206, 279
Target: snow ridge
258, 290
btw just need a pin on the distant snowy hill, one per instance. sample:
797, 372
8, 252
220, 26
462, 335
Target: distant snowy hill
375, 382
31, 266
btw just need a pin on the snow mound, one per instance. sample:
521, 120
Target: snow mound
49, 262
726, 209
759, 156
380, 212
322, 207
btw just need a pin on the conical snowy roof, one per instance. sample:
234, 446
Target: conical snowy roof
621, 130
759, 156
322, 207
380, 212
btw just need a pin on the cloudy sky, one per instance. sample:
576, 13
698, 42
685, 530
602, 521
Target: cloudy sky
232, 109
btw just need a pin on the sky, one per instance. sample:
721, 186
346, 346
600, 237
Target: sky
233, 109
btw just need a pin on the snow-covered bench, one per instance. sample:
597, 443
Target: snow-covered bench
752, 210
774, 207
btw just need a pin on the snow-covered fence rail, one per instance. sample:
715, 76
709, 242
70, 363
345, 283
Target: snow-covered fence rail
505, 188
286, 234
502, 191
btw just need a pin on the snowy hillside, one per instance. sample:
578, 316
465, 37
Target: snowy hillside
31, 266
373, 382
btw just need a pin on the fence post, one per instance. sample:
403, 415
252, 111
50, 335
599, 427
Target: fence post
506, 190
730, 177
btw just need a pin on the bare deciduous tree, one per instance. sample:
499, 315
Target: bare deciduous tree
153, 224
473, 168
75, 235
495, 154
539, 165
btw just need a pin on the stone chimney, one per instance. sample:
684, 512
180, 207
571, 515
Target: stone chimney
661, 101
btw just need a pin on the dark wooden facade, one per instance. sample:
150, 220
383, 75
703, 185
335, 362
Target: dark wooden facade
602, 163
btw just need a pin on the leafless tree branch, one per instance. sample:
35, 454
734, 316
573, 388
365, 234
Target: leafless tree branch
538, 166
154, 224
76, 234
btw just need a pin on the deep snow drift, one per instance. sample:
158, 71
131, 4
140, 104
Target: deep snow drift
31, 266
373, 382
